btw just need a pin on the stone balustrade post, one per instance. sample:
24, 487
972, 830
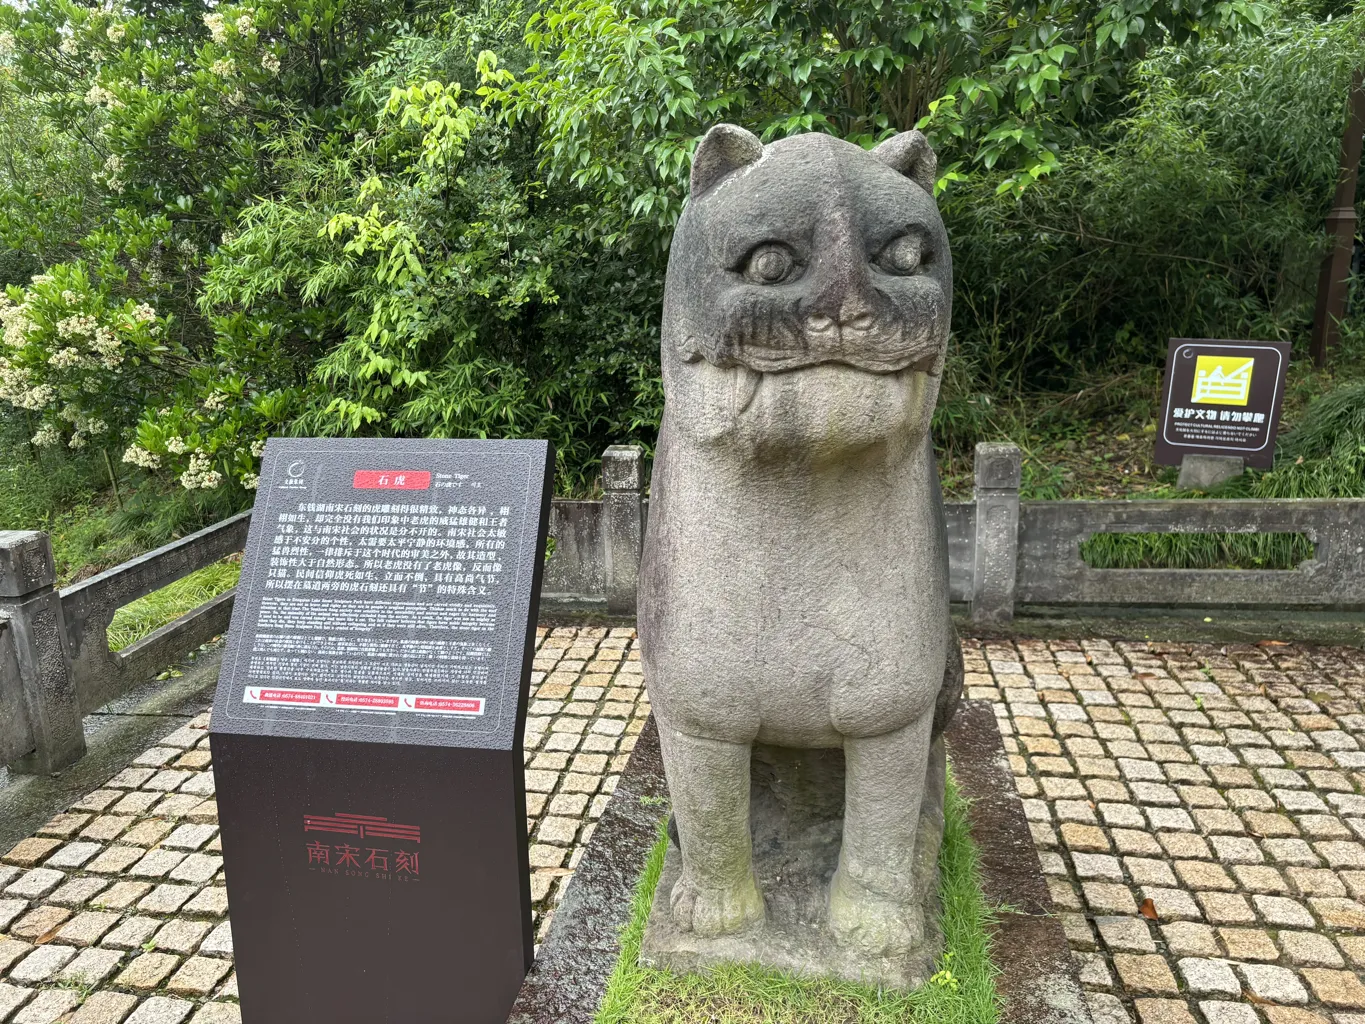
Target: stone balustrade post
998, 472
623, 524
30, 601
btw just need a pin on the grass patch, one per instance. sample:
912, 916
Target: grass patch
1196, 550
146, 615
962, 992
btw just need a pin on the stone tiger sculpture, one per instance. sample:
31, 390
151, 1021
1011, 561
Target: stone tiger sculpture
794, 584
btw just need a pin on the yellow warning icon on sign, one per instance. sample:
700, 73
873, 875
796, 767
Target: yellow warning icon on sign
1222, 380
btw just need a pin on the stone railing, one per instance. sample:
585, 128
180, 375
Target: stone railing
56, 666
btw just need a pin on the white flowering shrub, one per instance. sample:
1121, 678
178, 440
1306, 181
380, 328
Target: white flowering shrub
80, 362
214, 439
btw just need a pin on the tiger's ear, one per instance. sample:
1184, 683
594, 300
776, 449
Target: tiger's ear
723, 150
911, 154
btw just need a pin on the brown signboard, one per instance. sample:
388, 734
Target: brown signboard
1221, 398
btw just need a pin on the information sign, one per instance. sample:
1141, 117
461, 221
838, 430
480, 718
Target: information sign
1221, 398
367, 730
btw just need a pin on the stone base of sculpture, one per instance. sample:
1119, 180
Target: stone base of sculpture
797, 812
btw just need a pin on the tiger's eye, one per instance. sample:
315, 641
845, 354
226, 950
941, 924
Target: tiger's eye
769, 264
901, 256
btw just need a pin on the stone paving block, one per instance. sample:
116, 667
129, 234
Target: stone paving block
115, 860
1126, 934
1149, 871
1248, 944
1172, 904
1189, 938
155, 757
122, 895
211, 901
1277, 984
137, 802
1219, 1012
1084, 838
1209, 977
1131, 841
218, 1013
1198, 874
34, 884
1291, 852
161, 1010
106, 828
91, 966
147, 971
12, 997
48, 1006
1142, 973
86, 929
166, 898
77, 891
39, 922
10, 910
180, 936
1106, 1009
1236, 850
1108, 898
132, 933
41, 964
10, 951
28, 853
105, 1008
73, 855
1163, 1011
1078, 933
1097, 866
190, 837
219, 941
1309, 949
1283, 912
1339, 989
198, 976
1092, 970
156, 863
1293, 1015
1341, 914
1260, 878
197, 867
147, 833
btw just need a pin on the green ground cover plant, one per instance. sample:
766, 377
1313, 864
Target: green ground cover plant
961, 992
145, 616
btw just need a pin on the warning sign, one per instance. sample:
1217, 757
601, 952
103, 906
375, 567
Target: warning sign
1222, 398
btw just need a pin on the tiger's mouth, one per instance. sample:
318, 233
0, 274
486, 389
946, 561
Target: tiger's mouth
745, 378
920, 355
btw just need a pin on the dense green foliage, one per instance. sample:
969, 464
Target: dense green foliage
451, 217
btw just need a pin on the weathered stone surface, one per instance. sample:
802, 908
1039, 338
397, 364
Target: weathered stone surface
161, 1010
806, 318
105, 1008
48, 1006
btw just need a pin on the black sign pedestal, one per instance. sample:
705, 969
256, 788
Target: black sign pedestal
367, 731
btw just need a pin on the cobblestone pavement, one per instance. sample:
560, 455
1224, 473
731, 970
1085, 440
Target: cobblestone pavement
1198, 811
1225, 785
